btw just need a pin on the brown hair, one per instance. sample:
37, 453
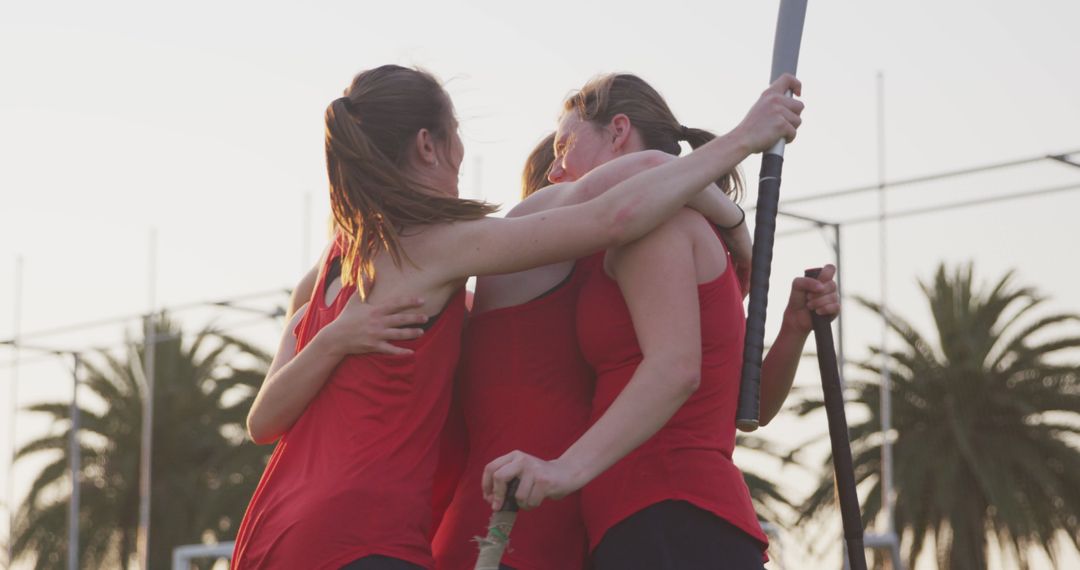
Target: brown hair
537, 166
608, 95
368, 133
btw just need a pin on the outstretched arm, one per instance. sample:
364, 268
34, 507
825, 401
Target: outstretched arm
778, 370
712, 203
631, 209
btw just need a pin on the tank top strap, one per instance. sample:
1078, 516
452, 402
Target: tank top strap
317, 302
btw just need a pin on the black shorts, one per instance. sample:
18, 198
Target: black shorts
381, 563
675, 535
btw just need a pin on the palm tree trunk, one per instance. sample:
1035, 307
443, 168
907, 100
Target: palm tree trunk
125, 551
969, 541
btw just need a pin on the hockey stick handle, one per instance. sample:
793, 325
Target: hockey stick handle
501, 523
789, 28
838, 435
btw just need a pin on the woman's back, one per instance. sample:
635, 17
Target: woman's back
523, 384
368, 439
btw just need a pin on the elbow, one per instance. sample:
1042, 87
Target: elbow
620, 226
654, 158
689, 383
686, 376
768, 409
622, 223
646, 159
258, 433
618, 229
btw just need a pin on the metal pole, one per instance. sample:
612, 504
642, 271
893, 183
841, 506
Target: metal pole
15, 331
146, 452
888, 499
75, 466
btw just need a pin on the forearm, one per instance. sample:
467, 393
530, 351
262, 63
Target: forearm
729, 218
655, 392
637, 205
778, 369
286, 392
596, 182
717, 207
300, 295
612, 173
739, 243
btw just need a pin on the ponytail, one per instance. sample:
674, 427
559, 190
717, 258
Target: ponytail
731, 183
367, 136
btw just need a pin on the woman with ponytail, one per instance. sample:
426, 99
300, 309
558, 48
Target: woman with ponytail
660, 323
349, 484
523, 384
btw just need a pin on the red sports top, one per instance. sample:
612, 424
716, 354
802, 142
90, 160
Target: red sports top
523, 384
689, 459
353, 476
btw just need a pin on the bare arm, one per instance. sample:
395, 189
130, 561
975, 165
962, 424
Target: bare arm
592, 185
301, 294
495, 291
718, 208
629, 210
294, 379
508, 289
658, 279
712, 203
778, 370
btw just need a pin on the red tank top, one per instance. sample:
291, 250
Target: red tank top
523, 384
353, 476
689, 459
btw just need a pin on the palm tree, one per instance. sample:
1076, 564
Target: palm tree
203, 470
985, 426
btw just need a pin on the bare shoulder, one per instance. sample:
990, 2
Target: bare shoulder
510, 289
686, 236
690, 220
678, 230
709, 253
684, 225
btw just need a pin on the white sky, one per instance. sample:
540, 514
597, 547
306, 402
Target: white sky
204, 120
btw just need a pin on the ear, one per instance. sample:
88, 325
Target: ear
619, 129
425, 148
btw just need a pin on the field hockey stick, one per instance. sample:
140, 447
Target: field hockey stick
789, 27
501, 523
838, 434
